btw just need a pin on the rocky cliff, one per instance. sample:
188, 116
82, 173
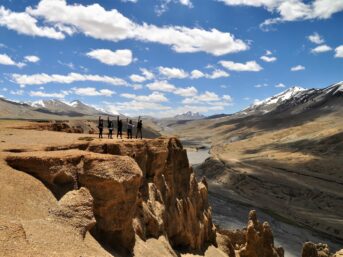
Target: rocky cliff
145, 188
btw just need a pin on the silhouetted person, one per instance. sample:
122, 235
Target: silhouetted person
110, 127
119, 127
100, 126
129, 129
139, 128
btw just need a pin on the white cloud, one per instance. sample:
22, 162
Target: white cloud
17, 92
186, 3
339, 52
173, 73
146, 75
218, 74
49, 95
268, 58
24, 23
43, 78
32, 58
210, 99
321, 49
137, 78
91, 91
248, 66
316, 38
6, 60
293, 10
196, 74
85, 19
154, 97
185, 92
121, 57
298, 68
164, 86
261, 85
280, 85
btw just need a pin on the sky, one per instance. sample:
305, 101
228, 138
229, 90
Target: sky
166, 57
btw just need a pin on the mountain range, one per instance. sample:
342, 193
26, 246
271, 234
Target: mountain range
299, 99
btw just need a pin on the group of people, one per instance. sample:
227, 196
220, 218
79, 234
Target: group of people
129, 129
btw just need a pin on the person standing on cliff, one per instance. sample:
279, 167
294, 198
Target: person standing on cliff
119, 127
130, 127
100, 126
139, 128
110, 127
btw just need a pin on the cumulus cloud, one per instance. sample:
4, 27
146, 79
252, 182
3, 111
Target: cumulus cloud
24, 23
316, 38
293, 10
6, 60
248, 66
298, 68
209, 98
45, 94
43, 78
165, 86
321, 49
196, 74
186, 3
154, 97
32, 58
95, 21
339, 52
146, 75
171, 73
217, 74
91, 91
121, 57
268, 58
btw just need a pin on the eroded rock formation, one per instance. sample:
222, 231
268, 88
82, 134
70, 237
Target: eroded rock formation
68, 222
256, 240
145, 188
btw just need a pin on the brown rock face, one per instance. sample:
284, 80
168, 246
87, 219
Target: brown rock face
143, 187
315, 250
113, 182
256, 240
68, 222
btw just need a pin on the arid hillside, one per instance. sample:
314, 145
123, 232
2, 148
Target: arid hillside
286, 158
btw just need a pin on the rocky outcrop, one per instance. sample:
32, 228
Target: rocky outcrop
316, 250
68, 222
256, 240
139, 187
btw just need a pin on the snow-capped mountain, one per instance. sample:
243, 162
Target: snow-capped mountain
297, 99
189, 116
74, 108
271, 103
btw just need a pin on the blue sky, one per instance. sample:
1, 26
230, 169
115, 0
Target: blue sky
165, 57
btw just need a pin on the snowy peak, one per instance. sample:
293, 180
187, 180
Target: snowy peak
279, 98
189, 116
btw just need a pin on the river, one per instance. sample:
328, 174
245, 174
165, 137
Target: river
230, 214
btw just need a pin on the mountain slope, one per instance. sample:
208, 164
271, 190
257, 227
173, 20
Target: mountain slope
287, 159
47, 109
